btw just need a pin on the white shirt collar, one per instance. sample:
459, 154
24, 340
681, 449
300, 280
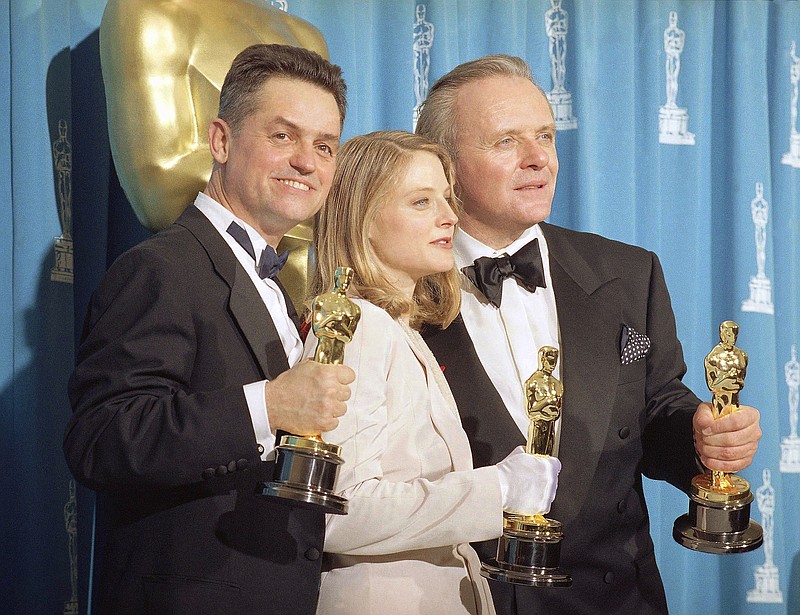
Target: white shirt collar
270, 293
466, 248
221, 218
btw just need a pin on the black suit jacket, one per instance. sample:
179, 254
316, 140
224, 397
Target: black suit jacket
618, 422
162, 431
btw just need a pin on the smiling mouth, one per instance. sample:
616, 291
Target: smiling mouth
445, 242
532, 186
294, 184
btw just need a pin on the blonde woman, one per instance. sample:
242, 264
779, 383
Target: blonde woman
415, 499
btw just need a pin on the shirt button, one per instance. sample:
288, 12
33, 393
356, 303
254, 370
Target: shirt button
608, 578
622, 506
624, 432
260, 449
312, 554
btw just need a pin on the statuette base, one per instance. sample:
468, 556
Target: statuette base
528, 553
790, 454
561, 103
718, 520
767, 589
305, 472
62, 270
673, 126
760, 299
792, 157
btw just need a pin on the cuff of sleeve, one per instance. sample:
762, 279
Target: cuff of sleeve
490, 476
504, 484
257, 405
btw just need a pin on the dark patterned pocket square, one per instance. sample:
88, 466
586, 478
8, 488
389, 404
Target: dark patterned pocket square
633, 346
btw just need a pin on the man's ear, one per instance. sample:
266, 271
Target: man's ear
219, 137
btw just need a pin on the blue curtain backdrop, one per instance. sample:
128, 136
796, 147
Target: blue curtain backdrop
680, 138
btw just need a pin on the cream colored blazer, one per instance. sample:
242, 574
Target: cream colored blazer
415, 499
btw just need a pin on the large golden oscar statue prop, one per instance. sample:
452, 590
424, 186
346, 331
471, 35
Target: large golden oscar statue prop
719, 503
163, 63
306, 466
529, 550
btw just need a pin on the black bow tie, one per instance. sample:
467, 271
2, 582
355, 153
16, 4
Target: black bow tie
270, 262
488, 273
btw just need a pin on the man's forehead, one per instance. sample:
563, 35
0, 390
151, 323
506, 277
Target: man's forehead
490, 105
300, 104
498, 92
283, 86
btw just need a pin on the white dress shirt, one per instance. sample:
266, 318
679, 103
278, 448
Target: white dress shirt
507, 339
274, 301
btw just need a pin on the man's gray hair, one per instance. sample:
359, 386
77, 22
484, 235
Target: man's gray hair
437, 119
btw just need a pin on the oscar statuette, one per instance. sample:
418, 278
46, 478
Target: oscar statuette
306, 466
529, 550
719, 503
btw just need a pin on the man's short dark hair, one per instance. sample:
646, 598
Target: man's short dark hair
258, 63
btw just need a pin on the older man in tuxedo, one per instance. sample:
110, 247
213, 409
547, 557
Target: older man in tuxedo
183, 375
605, 305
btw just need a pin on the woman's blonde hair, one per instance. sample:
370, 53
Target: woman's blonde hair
368, 169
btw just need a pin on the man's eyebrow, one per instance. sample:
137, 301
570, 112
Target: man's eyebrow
285, 122
325, 136
548, 127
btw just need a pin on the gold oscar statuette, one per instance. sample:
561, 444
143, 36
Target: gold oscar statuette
306, 466
719, 503
529, 550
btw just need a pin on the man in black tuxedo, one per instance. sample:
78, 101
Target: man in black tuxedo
605, 305
183, 374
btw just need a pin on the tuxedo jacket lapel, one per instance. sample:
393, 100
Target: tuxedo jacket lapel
589, 323
443, 410
245, 304
492, 432
290, 309
257, 327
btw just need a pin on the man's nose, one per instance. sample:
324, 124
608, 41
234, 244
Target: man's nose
303, 158
535, 155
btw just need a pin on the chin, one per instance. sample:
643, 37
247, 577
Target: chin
442, 269
535, 215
